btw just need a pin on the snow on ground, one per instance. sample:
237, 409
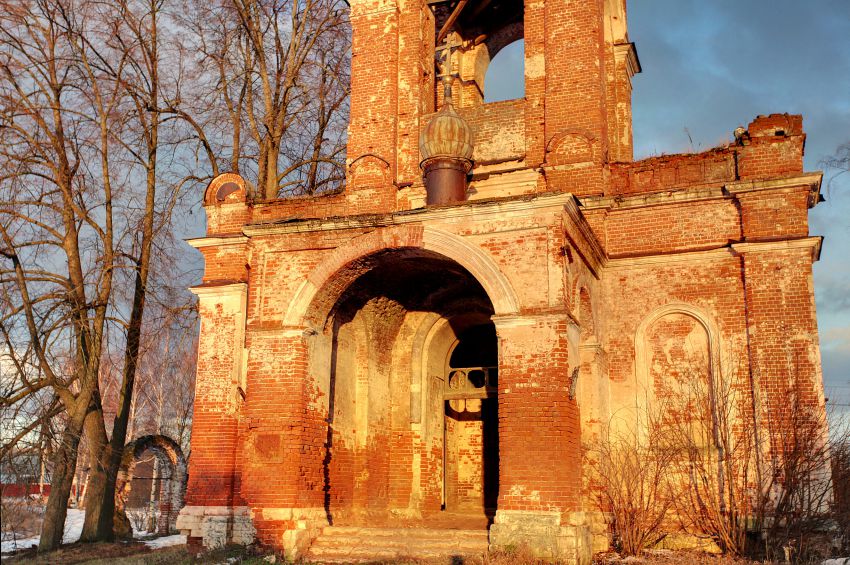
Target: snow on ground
166, 541
73, 529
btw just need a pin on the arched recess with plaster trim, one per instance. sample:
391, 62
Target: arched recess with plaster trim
645, 391
328, 280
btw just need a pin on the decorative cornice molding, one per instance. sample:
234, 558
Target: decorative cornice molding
810, 180
696, 194
230, 289
201, 242
468, 209
628, 53
679, 196
719, 253
715, 254
530, 319
813, 244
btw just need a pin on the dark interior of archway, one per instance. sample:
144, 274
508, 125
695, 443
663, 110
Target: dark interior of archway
478, 347
371, 313
418, 281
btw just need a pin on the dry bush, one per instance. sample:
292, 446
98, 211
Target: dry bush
21, 518
631, 486
139, 518
758, 485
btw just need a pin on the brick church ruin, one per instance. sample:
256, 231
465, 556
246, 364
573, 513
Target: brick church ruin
431, 347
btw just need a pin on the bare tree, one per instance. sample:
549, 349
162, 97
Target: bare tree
279, 76
105, 118
82, 112
57, 229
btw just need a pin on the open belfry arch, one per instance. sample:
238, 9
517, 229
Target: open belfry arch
433, 345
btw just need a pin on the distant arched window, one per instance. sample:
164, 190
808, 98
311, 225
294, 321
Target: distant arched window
505, 78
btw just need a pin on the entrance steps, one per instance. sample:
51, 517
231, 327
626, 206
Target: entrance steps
350, 544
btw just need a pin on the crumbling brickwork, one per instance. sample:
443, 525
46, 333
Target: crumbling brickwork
328, 322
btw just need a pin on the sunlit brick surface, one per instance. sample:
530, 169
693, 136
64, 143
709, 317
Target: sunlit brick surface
328, 322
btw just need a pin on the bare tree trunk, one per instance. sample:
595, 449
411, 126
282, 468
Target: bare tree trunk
96, 484
152, 521
64, 466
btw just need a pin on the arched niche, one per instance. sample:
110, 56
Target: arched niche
677, 367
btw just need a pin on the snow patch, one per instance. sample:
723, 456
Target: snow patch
74, 527
166, 541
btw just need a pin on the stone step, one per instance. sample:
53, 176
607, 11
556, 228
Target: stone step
403, 545
424, 533
349, 544
321, 555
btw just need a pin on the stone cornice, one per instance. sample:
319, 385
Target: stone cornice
811, 180
813, 244
653, 199
628, 53
531, 319
701, 193
218, 241
717, 253
473, 208
227, 289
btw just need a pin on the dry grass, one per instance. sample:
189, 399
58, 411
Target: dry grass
667, 557
134, 553
22, 518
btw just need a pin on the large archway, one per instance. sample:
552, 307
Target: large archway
405, 356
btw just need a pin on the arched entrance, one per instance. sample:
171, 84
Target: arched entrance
172, 487
405, 356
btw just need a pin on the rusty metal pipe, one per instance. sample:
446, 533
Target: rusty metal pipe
445, 180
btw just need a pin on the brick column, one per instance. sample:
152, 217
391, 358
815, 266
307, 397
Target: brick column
539, 439
782, 327
214, 513
372, 133
282, 461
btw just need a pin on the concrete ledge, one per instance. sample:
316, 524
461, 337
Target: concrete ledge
306, 524
545, 534
217, 526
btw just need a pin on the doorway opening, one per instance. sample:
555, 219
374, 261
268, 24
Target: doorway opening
471, 435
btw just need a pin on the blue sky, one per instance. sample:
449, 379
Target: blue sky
710, 66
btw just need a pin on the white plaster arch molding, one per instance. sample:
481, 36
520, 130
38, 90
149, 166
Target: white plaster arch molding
644, 391
468, 255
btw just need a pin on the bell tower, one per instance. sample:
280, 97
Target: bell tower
574, 118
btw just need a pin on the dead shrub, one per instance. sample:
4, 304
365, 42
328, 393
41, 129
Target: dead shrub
22, 518
629, 484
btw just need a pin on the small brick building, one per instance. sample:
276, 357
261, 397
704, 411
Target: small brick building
366, 359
